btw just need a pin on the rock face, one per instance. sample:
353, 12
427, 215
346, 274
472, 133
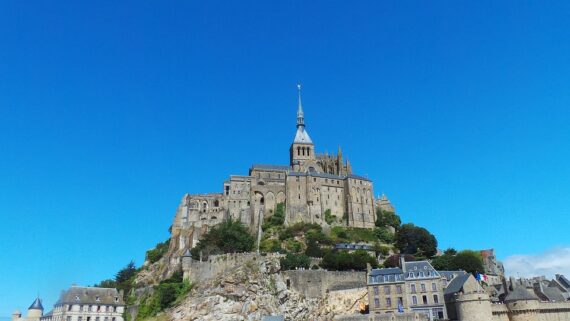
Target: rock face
249, 292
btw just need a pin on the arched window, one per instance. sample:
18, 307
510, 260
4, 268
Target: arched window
298, 151
303, 149
216, 203
308, 151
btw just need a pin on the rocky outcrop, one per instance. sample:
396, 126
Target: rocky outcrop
249, 292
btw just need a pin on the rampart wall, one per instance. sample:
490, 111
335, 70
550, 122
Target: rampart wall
384, 317
196, 271
316, 283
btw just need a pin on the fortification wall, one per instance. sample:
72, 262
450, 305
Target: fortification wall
196, 271
383, 317
316, 283
554, 311
500, 312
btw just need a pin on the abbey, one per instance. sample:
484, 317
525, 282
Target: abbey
309, 186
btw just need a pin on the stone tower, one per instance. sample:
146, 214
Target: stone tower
302, 149
522, 304
473, 306
36, 310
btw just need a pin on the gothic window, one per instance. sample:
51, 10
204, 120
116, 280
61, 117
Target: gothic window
216, 203
308, 151
303, 150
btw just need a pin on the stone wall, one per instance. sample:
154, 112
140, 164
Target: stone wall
384, 317
196, 271
316, 283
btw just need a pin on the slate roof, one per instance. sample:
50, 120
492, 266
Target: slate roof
415, 267
387, 275
359, 177
302, 136
563, 281
89, 295
553, 294
450, 275
273, 318
36, 305
282, 168
520, 293
456, 284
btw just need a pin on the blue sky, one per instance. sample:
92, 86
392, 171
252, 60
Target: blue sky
110, 112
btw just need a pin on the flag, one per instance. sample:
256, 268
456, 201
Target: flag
481, 277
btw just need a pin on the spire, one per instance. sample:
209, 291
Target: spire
300, 115
339, 152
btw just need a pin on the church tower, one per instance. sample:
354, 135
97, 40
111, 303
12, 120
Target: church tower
302, 148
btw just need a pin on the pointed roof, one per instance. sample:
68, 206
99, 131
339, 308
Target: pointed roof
300, 108
37, 305
302, 136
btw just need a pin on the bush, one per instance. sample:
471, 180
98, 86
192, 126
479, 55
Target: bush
384, 235
228, 237
313, 249
165, 295
344, 261
277, 219
294, 261
158, 252
385, 219
329, 218
352, 234
270, 245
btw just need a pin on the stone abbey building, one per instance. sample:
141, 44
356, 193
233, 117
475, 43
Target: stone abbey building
309, 185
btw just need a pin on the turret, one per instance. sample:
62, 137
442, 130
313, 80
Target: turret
36, 310
473, 306
522, 304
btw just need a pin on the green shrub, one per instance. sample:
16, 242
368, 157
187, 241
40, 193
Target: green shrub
277, 219
270, 245
294, 261
158, 252
228, 237
343, 261
329, 218
294, 246
166, 294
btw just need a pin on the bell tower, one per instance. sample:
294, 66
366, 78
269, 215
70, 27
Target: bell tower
302, 148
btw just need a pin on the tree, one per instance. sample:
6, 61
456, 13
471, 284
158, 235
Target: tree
384, 235
394, 260
126, 273
158, 252
411, 239
450, 251
294, 261
385, 219
469, 261
228, 237
443, 263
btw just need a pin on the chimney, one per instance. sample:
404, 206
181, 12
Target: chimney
403, 263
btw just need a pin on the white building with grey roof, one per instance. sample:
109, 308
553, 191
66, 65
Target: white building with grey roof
87, 304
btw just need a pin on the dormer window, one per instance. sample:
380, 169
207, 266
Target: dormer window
77, 298
97, 299
116, 299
